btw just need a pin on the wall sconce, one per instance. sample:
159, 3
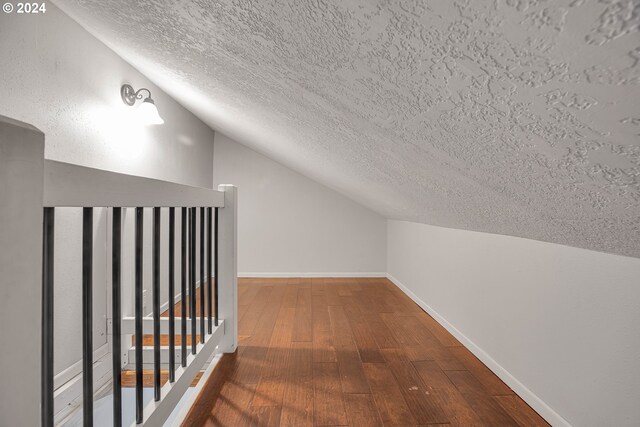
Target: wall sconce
147, 110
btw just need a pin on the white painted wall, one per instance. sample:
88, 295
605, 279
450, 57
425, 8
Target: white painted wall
59, 78
291, 225
553, 321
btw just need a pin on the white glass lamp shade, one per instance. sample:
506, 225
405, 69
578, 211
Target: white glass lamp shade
148, 113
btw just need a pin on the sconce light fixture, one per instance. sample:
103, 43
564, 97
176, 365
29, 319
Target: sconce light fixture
147, 110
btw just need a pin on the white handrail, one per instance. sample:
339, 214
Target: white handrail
68, 185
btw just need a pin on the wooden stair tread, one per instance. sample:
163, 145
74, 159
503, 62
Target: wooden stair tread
147, 340
128, 378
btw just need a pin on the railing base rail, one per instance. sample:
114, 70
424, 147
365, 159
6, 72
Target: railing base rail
156, 413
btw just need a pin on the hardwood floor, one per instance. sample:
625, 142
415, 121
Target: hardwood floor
349, 352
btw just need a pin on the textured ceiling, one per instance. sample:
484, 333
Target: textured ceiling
518, 117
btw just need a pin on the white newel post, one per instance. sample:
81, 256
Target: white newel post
228, 267
21, 188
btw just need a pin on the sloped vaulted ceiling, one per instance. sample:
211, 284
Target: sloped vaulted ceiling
518, 117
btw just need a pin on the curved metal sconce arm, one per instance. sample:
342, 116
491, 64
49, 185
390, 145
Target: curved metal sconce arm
129, 95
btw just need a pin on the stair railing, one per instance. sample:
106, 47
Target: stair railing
32, 188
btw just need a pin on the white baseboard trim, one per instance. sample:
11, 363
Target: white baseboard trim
305, 275
527, 395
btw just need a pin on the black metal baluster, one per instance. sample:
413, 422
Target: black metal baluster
47, 318
87, 316
190, 272
209, 287
116, 315
202, 285
138, 313
172, 316
215, 266
156, 302
192, 268
183, 288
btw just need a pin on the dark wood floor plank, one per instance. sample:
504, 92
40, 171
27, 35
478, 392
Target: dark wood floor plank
249, 321
302, 328
253, 351
362, 299
367, 346
406, 337
389, 400
264, 416
379, 303
210, 392
416, 394
244, 282
489, 411
273, 377
319, 301
362, 335
340, 327
242, 290
345, 290
446, 395
231, 408
305, 283
380, 331
351, 373
263, 328
361, 410
488, 379
395, 301
250, 295
323, 346
404, 299
428, 347
378, 297
394, 355
317, 286
520, 411
249, 365
331, 292
328, 403
456, 408
432, 375
438, 331
290, 298
398, 326
297, 402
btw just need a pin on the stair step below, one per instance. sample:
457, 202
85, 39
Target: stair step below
147, 355
129, 378
147, 340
